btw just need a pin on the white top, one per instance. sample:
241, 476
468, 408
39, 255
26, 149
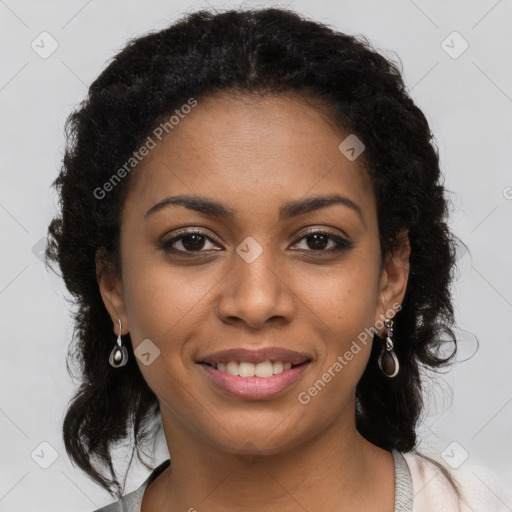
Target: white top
481, 489
420, 486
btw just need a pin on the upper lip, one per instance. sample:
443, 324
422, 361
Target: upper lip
257, 356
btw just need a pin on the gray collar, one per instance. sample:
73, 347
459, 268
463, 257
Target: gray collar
403, 484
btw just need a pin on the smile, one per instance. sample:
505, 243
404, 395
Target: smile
248, 369
249, 381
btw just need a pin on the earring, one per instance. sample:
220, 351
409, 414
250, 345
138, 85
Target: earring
119, 355
388, 362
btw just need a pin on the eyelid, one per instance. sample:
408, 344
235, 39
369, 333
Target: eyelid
192, 231
324, 231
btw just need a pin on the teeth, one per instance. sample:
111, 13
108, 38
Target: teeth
232, 368
245, 369
277, 366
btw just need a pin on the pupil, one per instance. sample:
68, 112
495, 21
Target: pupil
197, 242
317, 241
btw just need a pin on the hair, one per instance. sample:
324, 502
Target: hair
255, 52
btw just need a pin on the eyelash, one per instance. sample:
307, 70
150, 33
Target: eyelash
341, 243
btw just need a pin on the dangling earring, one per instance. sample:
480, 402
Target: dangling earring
119, 355
388, 362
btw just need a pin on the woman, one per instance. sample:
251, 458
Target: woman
253, 206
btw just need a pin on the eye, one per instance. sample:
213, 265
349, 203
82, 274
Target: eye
187, 242
319, 240
194, 241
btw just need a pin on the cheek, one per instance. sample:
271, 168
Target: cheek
342, 304
157, 301
344, 296
164, 302
344, 350
162, 306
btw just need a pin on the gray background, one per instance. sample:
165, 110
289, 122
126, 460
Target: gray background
468, 102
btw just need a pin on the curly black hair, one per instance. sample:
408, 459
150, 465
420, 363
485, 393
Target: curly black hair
249, 51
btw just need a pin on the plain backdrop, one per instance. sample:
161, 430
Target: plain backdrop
466, 95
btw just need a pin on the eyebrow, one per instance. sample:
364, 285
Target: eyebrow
288, 210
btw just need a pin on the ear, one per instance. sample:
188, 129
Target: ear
394, 278
111, 290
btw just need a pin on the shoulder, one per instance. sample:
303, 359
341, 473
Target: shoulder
129, 503
480, 490
132, 502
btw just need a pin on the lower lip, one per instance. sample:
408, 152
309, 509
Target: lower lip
255, 388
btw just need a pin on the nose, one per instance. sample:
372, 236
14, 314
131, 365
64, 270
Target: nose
256, 293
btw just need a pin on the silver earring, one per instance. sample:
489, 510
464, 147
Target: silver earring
388, 362
119, 355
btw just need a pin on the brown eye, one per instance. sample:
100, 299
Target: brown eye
318, 241
193, 242
188, 242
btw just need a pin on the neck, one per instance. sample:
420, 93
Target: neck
327, 472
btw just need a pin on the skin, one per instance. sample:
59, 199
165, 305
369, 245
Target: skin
253, 154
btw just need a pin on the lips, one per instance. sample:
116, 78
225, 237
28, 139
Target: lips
255, 374
263, 387
256, 356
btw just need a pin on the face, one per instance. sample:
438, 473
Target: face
258, 271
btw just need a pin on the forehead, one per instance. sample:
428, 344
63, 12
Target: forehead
251, 150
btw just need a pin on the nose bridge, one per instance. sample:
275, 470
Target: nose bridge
254, 291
